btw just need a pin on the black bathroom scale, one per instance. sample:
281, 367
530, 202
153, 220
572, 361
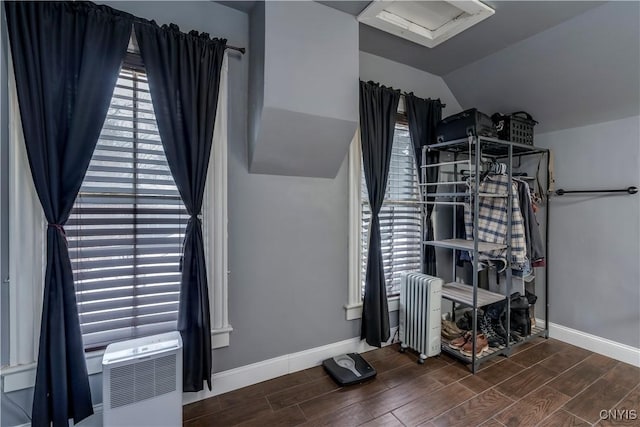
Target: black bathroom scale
348, 369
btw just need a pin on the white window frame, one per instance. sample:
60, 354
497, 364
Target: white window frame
27, 227
353, 308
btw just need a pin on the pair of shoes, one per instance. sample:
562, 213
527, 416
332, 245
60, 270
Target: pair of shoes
482, 345
449, 330
459, 342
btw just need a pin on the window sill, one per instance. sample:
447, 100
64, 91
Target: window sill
21, 377
354, 311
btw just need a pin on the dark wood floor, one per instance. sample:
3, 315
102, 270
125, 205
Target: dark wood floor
545, 383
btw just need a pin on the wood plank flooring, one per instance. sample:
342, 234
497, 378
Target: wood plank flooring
545, 383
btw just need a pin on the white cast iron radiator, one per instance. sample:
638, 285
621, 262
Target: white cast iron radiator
420, 301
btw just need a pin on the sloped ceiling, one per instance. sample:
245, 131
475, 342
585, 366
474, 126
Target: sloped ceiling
513, 21
586, 70
568, 63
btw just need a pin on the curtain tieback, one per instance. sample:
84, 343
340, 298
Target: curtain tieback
192, 217
58, 227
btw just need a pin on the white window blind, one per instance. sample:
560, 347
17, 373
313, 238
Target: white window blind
126, 229
399, 217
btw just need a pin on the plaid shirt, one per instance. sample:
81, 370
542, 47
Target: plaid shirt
492, 221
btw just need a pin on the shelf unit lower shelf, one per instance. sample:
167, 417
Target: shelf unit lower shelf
463, 294
536, 331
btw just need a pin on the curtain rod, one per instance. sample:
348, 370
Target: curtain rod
137, 19
441, 104
239, 49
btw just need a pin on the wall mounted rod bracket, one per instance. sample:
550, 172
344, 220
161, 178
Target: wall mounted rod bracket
629, 190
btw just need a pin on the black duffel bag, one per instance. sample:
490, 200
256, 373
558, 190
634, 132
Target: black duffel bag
467, 123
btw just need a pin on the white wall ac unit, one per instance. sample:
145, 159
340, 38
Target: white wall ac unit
142, 382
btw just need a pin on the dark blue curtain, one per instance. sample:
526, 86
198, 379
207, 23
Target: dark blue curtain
184, 80
423, 116
378, 109
66, 57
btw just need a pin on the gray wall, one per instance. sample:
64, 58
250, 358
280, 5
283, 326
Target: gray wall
310, 88
256, 73
594, 274
407, 79
287, 235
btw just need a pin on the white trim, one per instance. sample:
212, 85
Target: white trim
354, 304
24, 376
615, 350
254, 373
26, 242
354, 311
220, 337
216, 220
353, 308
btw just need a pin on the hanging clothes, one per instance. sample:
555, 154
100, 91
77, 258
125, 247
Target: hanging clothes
535, 245
492, 221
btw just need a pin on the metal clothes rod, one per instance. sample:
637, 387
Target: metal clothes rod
431, 184
456, 162
629, 190
446, 203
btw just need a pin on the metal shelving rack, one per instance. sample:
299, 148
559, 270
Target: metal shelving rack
475, 148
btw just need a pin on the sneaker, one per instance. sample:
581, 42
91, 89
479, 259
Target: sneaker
482, 345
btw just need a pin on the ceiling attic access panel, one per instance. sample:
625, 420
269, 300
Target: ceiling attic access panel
427, 23
303, 88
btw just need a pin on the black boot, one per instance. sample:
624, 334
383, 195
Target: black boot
521, 322
499, 330
485, 326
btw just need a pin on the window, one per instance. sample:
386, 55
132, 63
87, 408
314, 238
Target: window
127, 225
27, 232
400, 219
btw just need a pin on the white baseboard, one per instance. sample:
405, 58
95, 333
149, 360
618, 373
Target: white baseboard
243, 376
615, 350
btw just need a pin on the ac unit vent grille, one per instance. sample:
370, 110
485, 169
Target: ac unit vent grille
142, 380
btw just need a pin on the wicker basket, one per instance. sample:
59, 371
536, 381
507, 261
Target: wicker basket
515, 127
